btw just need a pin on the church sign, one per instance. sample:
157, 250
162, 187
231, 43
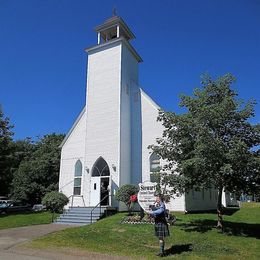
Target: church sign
146, 195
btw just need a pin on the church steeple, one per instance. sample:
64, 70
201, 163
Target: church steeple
114, 27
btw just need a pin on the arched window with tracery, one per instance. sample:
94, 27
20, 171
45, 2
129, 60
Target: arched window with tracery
77, 178
100, 168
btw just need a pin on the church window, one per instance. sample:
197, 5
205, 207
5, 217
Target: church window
77, 178
153, 177
154, 166
154, 163
100, 168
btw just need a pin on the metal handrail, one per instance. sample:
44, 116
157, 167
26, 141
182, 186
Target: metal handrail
99, 204
60, 190
72, 196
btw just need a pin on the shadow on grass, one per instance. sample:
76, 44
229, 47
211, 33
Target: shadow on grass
229, 211
18, 213
230, 228
178, 249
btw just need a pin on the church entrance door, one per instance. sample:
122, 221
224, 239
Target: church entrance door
100, 191
95, 191
100, 183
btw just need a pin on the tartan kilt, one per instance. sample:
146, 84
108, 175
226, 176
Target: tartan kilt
161, 230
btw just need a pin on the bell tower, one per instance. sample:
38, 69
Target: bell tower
113, 28
112, 89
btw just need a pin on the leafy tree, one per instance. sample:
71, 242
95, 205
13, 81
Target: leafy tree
22, 150
212, 144
5, 153
38, 173
55, 201
124, 192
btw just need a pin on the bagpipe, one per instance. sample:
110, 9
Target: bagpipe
170, 218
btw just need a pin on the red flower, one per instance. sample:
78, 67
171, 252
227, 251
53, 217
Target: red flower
133, 198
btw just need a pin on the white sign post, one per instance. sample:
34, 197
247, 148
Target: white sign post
146, 195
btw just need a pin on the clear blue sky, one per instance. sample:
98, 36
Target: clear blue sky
43, 63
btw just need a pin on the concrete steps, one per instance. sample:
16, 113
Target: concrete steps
80, 215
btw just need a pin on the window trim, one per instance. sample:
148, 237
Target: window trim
154, 161
98, 170
77, 175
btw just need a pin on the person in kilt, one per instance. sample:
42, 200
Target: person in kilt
160, 224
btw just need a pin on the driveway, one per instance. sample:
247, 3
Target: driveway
12, 245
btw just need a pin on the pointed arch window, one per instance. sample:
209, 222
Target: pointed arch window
77, 178
154, 163
154, 166
100, 168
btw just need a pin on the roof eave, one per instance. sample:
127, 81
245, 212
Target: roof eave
120, 39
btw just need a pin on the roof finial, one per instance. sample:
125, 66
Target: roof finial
114, 13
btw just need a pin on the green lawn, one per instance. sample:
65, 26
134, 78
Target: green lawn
24, 219
193, 237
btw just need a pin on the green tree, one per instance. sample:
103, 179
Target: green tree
22, 150
124, 192
212, 144
38, 173
5, 153
55, 201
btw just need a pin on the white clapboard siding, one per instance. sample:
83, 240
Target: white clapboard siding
151, 129
73, 149
129, 74
103, 110
201, 200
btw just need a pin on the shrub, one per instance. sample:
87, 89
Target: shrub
125, 192
55, 201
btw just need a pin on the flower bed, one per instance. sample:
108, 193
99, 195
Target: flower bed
136, 219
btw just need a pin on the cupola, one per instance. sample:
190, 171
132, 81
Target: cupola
114, 27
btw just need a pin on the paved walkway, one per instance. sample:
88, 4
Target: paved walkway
12, 245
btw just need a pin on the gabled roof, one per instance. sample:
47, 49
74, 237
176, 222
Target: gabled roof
73, 126
150, 100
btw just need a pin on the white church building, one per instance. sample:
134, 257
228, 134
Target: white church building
107, 144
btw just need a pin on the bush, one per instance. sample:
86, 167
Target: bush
55, 201
123, 194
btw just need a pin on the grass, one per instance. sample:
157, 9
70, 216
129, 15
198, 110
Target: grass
192, 237
24, 219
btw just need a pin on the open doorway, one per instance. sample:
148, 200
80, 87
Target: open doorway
100, 183
104, 191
